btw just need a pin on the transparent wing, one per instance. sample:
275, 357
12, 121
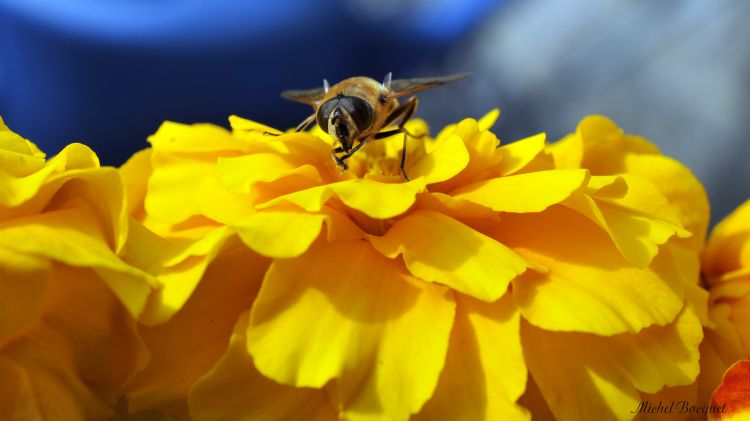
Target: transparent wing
403, 87
305, 96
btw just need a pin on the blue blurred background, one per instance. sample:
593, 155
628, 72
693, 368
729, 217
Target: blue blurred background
108, 72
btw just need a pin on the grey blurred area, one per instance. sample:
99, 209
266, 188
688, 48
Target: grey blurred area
675, 72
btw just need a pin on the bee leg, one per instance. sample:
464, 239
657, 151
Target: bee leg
305, 123
389, 133
403, 157
301, 126
404, 112
340, 161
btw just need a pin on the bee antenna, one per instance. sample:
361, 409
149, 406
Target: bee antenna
387, 81
326, 87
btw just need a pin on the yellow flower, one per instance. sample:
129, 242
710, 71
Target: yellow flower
68, 340
361, 296
726, 268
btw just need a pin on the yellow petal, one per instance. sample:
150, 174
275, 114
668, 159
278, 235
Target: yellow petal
312, 148
600, 136
519, 154
135, 174
240, 173
23, 291
185, 183
481, 145
640, 195
75, 156
600, 146
455, 208
172, 185
80, 353
241, 124
201, 139
234, 389
447, 159
359, 318
533, 401
340, 226
740, 316
73, 236
638, 222
484, 371
374, 199
33, 191
102, 189
182, 268
567, 152
595, 377
684, 192
488, 120
30, 194
18, 156
589, 286
437, 248
728, 249
281, 234
722, 347
144, 249
530, 192
189, 344
686, 263
16, 191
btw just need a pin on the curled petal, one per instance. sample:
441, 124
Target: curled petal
206, 140
636, 216
188, 345
595, 377
446, 159
135, 174
23, 291
520, 154
684, 192
74, 237
529, 192
589, 286
179, 270
239, 174
78, 355
280, 234
728, 249
470, 262
171, 188
367, 332
234, 389
484, 371
374, 199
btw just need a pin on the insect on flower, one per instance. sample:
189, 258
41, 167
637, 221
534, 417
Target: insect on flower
355, 110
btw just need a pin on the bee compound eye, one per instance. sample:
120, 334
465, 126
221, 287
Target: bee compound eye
360, 112
324, 112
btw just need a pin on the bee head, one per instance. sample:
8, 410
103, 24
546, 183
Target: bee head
344, 118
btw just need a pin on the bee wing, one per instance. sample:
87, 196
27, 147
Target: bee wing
403, 87
305, 96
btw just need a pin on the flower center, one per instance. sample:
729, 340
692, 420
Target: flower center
379, 160
383, 165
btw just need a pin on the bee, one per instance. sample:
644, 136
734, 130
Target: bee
354, 111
